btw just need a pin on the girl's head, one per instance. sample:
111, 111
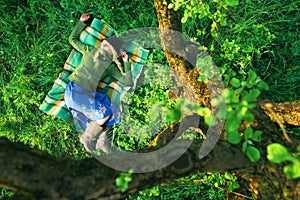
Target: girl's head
107, 47
113, 46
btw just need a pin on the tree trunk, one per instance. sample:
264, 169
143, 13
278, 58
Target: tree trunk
174, 45
37, 175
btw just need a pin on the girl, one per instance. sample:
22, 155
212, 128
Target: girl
81, 96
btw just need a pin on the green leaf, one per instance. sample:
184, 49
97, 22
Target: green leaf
170, 6
235, 82
233, 137
248, 133
253, 153
250, 84
243, 83
298, 148
209, 73
202, 79
232, 123
210, 120
173, 115
256, 137
251, 105
226, 77
123, 180
251, 75
238, 91
244, 146
246, 96
229, 176
122, 184
278, 153
202, 111
254, 93
154, 192
128, 178
263, 85
184, 19
233, 186
248, 117
234, 98
292, 171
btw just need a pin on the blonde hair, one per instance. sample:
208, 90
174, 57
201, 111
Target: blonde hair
115, 60
114, 56
99, 52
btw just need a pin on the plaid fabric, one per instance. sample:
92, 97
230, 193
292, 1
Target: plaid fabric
92, 35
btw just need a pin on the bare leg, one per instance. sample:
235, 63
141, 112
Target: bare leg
103, 144
88, 138
102, 121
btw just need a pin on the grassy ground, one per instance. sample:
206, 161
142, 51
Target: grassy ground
34, 46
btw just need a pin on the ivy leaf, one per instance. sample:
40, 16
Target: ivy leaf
254, 93
210, 120
233, 137
256, 137
292, 171
263, 85
251, 75
229, 176
253, 153
247, 97
232, 123
233, 186
278, 153
244, 146
239, 90
123, 180
202, 79
248, 133
184, 19
122, 184
235, 82
248, 117
170, 6
173, 115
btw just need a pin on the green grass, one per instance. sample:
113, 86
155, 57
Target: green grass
202, 186
34, 46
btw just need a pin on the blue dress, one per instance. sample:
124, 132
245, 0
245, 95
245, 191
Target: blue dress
86, 106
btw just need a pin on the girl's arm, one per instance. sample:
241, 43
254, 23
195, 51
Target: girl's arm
127, 79
74, 37
115, 73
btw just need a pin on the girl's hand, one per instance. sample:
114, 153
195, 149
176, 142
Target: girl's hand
124, 56
84, 17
